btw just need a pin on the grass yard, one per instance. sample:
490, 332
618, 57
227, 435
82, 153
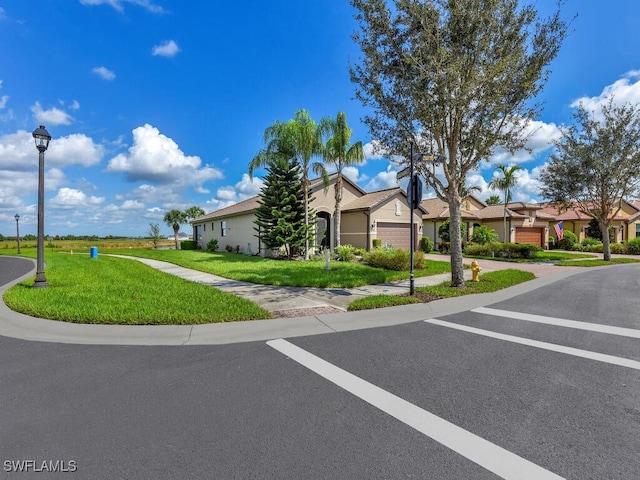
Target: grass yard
489, 282
544, 256
118, 291
596, 263
280, 272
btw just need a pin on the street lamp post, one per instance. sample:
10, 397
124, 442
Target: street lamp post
17, 217
42, 139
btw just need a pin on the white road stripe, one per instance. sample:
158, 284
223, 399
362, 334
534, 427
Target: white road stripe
601, 357
496, 459
561, 322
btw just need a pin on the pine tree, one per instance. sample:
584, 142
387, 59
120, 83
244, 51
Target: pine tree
280, 218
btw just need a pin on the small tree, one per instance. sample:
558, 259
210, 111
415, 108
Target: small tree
154, 233
445, 233
484, 235
505, 183
173, 219
596, 164
280, 217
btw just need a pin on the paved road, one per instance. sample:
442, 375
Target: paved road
420, 400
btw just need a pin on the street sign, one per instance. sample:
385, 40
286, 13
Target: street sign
414, 192
405, 172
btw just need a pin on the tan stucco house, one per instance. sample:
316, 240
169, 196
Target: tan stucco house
626, 223
526, 222
382, 214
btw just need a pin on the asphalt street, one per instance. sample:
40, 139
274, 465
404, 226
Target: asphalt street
480, 394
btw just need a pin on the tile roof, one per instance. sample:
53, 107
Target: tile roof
373, 199
244, 206
439, 209
574, 214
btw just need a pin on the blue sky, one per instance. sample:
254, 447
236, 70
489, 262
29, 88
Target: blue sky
156, 104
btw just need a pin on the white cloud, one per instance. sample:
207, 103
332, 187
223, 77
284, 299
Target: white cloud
68, 198
17, 151
132, 205
248, 187
76, 148
382, 180
624, 90
374, 150
104, 73
117, 4
353, 174
226, 194
2, 14
53, 116
75, 105
4, 98
167, 49
156, 158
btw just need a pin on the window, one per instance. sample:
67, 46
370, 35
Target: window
223, 227
212, 226
204, 227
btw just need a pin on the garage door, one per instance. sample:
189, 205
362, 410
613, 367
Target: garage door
530, 235
396, 234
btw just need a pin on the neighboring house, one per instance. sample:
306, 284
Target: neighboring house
626, 223
526, 223
383, 214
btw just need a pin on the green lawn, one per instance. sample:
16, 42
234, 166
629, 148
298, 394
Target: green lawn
111, 290
489, 282
596, 263
280, 272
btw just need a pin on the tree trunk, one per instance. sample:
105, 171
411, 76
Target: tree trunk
606, 247
305, 188
176, 229
504, 220
457, 269
336, 213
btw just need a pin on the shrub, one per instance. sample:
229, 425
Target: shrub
345, 253
188, 245
588, 241
393, 259
212, 245
377, 243
504, 250
633, 246
568, 241
443, 231
426, 244
228, 248
618, 248
593, 247
484, 235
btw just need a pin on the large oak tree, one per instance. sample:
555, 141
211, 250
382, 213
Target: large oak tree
456, 78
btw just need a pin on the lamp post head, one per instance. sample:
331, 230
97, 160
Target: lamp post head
17, 217
42, 138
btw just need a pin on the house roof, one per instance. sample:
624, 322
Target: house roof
250, 204
374, 199
439, 209
575, 214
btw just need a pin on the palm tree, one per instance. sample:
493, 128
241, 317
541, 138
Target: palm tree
299, 138
174, 218
492, 200
338, 152
193, 212
505, 183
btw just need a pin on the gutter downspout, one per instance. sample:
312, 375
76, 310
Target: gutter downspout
368, 215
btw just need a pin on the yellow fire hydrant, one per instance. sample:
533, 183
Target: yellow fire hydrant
475, 271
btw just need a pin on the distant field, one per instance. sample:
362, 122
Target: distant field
86, 244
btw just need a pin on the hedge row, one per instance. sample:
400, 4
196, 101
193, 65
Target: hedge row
502, 250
